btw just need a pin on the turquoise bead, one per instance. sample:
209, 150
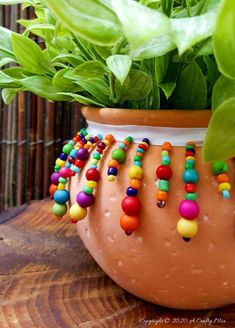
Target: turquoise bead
190, 176
63, 180
219, 167
93, 166
96, 155
75, 169
84, 132
138, 163
226, 194
166, 158
68, 165
71, 142
99, 136
163, 185
123, 146
73, 153
191, 195
190, 161
140, 150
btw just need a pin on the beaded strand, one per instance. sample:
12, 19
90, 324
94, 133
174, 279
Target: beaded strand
131, 204
220, 170
189, 210
85, 198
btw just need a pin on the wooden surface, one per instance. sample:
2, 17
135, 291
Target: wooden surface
48, 279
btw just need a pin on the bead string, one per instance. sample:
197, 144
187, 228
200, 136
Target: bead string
118, 157
189, 210
76, 152
164, 174
85, 198
220, 170
131, 204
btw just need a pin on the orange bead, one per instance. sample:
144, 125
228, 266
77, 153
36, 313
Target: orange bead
223, 177
140, 154
86, 146
135, 183
52, 189
129, 223
110, 138
126, 142
113, 163
162, 195
167, 146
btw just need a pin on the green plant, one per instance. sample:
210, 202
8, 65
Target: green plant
134, 54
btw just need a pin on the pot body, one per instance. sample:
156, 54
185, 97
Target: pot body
154, 263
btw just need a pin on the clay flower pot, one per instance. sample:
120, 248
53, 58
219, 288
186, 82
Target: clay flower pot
154, 263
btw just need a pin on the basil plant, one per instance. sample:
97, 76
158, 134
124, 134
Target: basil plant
148, 54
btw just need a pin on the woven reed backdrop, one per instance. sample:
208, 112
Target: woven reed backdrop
32, 132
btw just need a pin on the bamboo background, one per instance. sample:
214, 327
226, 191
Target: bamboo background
32, 132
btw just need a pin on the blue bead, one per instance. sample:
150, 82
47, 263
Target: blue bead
61, 196
138, 163
226, 194
122, 145
68, 165
131, 191
92, 140
190, 176
112, 171
99, 136
63, 156
71, 142
75, 169
146, 140
93, 166
84, 140
140, 150
73, 153
166, 158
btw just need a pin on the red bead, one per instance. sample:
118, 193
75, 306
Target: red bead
144, 147
102, 145
189, 153
131, 205
100, 151
96, 139
71, 160
164, 172
93, 174
190, 187
79, 163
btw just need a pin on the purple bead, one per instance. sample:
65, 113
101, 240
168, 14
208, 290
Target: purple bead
91, 140
131, 191
112, 171
82, 154
189, 209
101, 145
63, 156
55, 178
85, 200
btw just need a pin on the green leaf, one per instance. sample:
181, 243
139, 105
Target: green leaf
161, 67
156, 47
8, 94
5, 41
191, 90
141, 24
220, 138
89, 19
16, 72
30, 55
82, 99
186, 32
224, 89
89, 69
62, 83
137, 85
206, 48
224, 39
120, 66
42, 86
168, 88
7, 81
6, 60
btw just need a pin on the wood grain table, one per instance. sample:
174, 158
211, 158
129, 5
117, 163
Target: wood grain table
48, 279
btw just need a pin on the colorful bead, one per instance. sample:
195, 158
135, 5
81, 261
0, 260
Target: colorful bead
85, 200
189, 209
129, 223
111, 178
135, 183
59, 209
191, 196
61, 196
163, 185
131, 192
119, 155
55, 178
187, 228
112, 171
220, 169
53, 189
224, 186
190, 176
164, 172
77, 213
92, 184
135, 172
82, 154
67, 149
88, 190
131, 205
93, 174
64, 172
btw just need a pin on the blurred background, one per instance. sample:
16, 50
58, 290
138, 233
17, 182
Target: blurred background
32, 132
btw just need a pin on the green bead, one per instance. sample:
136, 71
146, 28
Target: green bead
163, 185
96, 156
94, 161
166, 162
119, 155
189, 166
165, 153
84, 132
129, 138
59, 209
137, 158
88, 190
63, 180
56, 168
191, 195
67, 149
189, 147
219, 167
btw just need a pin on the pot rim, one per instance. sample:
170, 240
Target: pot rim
145, 117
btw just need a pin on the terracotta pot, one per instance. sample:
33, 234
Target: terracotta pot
154, 263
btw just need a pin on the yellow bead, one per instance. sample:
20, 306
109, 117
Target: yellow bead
224, 186
190, 157
145, 143
92, 184
111, 178
106, 142
87, 137
61, 186
135, 172
59, 162
94, 161
77, 213
165, 153
187, 228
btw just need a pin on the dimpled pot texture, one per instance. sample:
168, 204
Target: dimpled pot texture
154, 263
